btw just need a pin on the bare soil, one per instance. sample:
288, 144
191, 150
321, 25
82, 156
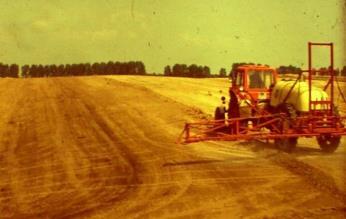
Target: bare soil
104, 147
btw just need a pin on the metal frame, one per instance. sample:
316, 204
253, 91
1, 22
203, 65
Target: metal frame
329, 103
262, 128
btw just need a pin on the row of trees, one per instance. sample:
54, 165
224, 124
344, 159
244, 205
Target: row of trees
110, 68
288, 70
321, 71
9, 70
133, 68
324, 71
182, 70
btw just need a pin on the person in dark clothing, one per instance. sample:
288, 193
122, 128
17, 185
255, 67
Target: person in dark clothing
220, 111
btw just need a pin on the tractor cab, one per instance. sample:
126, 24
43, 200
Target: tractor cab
254, 80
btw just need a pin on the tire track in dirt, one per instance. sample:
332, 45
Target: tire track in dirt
121, 134
59, 178
153, 178
150, 142
10, 200
314, 177
28, 145
310, 174
26, 149
7, 202
101, 197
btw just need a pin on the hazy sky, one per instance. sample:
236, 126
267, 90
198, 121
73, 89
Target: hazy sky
160, 32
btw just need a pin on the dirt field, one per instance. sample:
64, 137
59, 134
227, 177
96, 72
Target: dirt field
103, 147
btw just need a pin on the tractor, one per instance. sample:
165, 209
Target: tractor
250, 90
262, 107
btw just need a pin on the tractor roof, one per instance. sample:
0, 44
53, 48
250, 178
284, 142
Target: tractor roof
260, 67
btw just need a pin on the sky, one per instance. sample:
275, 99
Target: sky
164, 32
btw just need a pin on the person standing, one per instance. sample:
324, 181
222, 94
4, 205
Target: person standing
220, 111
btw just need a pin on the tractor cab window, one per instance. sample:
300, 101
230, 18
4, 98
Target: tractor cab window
260, 79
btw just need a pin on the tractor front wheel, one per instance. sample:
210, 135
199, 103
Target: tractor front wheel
328, 143
286, 144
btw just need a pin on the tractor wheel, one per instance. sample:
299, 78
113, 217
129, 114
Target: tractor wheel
328, 143
286, 144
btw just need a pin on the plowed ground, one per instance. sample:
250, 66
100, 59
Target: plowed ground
99, 147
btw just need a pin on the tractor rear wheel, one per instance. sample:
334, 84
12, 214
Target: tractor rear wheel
286, 144
328, 143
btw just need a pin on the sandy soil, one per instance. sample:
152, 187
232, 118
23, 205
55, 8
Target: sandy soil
103, 147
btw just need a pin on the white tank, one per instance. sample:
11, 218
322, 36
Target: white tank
299, 96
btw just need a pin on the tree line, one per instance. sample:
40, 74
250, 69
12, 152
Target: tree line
290, 69
134, 68
324, 71
9, 70
110, 68
183, 70
320, 71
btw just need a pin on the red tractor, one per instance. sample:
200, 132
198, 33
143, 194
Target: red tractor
262, 107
